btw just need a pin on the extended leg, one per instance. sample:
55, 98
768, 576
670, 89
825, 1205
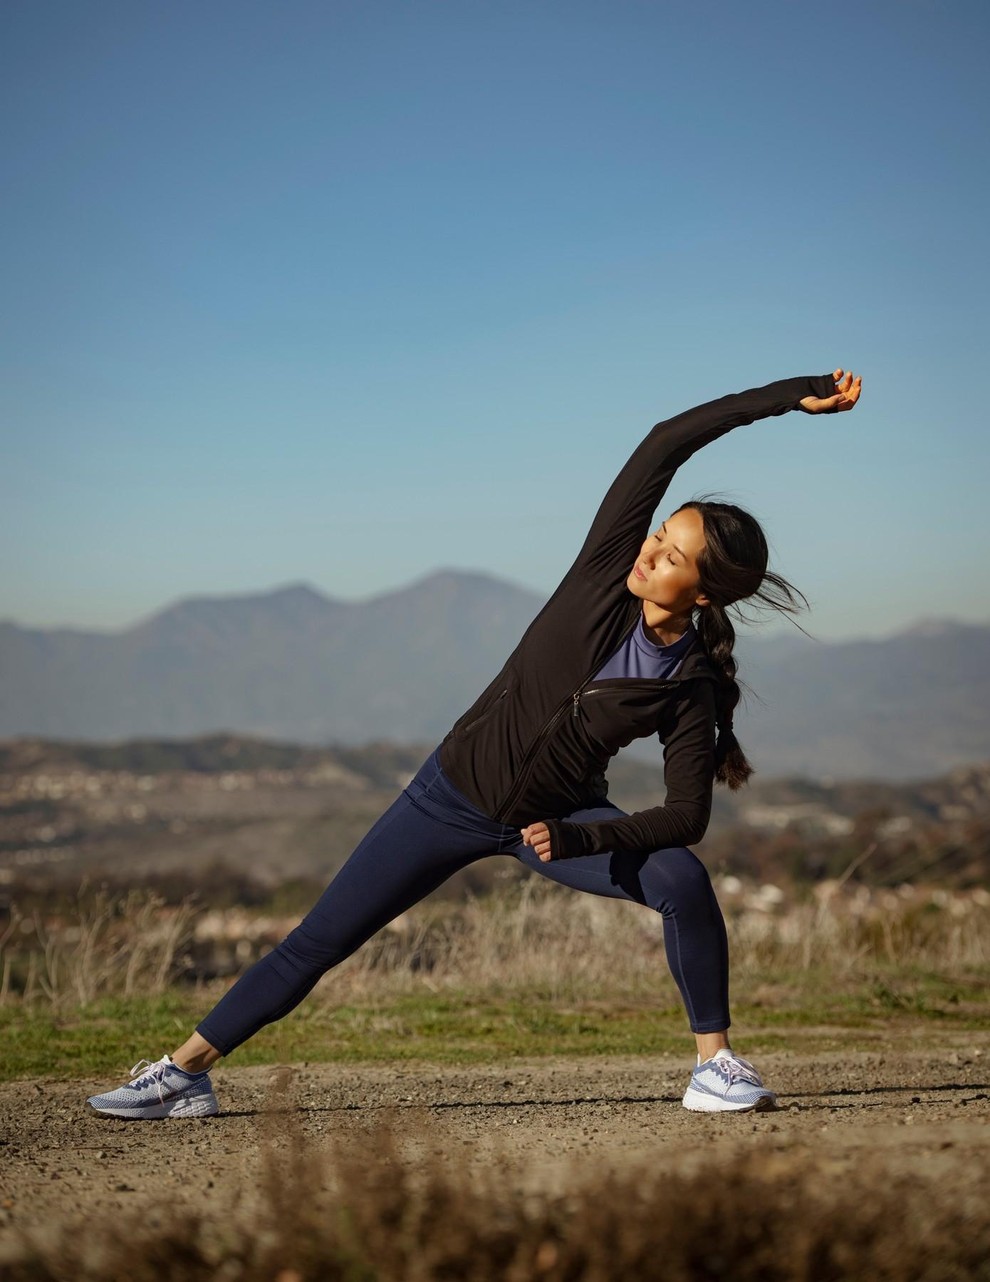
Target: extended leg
426, 835
404, 857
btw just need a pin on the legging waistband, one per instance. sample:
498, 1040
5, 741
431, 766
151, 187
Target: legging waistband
432, 792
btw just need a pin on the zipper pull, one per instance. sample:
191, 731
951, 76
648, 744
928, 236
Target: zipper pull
574, 709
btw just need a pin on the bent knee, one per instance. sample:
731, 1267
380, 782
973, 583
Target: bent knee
675, 877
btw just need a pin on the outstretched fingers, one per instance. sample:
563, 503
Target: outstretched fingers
849, 390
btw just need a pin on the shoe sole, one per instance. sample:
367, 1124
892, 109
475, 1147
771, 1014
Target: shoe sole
696, 1102
201, 1107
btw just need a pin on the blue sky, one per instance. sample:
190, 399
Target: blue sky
342, 293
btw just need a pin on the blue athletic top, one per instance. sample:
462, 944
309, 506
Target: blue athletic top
638, 656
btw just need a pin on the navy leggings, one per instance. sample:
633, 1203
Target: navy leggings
429, 833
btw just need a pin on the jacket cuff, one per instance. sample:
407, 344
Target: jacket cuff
820, 385
567, 840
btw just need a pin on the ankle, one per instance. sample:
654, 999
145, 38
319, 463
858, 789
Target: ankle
709, 1044
195, 1055
189, 1070
191, 1064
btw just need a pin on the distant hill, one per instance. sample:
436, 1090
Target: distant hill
295, 665
290, 664
907, 706
960, 795
219, 811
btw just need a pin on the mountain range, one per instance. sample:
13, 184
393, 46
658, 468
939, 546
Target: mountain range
294, 664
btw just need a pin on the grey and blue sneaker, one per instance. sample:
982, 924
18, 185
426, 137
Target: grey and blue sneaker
727, 1083
159, 1090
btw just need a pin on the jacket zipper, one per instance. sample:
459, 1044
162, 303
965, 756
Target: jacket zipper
528, 760
578, 695
522, 778
533, 750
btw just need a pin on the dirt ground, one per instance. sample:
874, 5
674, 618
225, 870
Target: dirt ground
542, 1121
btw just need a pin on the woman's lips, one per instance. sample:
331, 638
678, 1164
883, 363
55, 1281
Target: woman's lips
639, 573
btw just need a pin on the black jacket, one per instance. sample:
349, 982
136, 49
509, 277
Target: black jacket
535, 745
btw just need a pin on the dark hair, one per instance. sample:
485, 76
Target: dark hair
733, 567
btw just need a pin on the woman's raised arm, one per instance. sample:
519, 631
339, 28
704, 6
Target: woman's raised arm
623, 520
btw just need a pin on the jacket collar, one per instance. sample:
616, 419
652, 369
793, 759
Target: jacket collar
695, 663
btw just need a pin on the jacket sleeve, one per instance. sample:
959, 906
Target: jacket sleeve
689, 773
623, 520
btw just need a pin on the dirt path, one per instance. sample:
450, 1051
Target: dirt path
538, 1120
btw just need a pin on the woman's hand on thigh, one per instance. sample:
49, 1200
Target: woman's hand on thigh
538, 836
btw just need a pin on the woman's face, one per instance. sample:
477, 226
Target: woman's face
666, 570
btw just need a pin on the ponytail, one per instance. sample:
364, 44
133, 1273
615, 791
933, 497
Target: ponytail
733, 568
718, 637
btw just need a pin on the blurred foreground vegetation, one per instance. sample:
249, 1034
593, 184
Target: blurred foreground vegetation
380, 1213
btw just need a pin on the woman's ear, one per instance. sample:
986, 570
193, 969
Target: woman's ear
701, 601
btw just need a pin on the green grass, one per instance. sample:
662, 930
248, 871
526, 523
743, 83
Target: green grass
805, 1011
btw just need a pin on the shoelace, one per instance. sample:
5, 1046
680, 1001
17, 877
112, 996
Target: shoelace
155, 1073
737, 1069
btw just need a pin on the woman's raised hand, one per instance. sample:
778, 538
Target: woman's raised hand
847, 390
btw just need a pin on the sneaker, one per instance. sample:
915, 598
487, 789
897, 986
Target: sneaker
727, 1083
158, 1090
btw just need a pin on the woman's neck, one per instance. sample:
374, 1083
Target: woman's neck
661, 626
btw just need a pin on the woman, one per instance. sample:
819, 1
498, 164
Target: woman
635, 641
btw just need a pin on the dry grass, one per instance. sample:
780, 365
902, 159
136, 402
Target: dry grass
533, 935
527, 936
847, 929
379, 1214
100, 944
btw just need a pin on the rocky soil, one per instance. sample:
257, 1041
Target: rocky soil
545, 1122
